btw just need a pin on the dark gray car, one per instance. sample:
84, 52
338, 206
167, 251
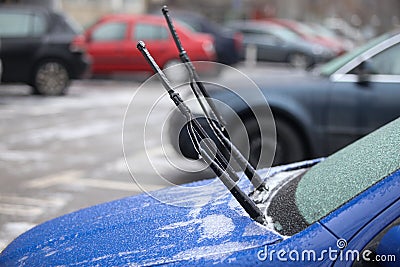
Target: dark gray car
319, 112
277, 44
37, 48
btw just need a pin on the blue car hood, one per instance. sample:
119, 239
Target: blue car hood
141, 230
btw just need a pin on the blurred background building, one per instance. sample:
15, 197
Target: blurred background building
372, 17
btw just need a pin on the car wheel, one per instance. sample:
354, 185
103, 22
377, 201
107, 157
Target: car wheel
289, 146
175, 71
299, 60
247, 138
51, 77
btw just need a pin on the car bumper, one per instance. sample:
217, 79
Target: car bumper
80, 65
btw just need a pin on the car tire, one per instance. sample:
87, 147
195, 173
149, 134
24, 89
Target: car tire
176, 71
299, 60
50, 78
289, 146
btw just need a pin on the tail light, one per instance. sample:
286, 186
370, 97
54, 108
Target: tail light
78, 44
238, 37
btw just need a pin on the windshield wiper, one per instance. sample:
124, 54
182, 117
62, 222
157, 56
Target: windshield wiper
213, 115
203, 145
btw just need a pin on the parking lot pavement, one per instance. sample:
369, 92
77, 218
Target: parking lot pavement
61, 154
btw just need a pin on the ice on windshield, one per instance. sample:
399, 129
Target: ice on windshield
345, 174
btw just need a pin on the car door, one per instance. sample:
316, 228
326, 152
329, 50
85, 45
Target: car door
376, 244
105, 43
270, 47
267, 44
21, 34
345, 117
365, 97
382, 82
383, 249
1, 64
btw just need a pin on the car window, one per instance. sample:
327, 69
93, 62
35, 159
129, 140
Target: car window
39, 25
149, 32
192, 27
21, 25
387, 62
111, 31
335, 64
306, 29
336, 180
284, 33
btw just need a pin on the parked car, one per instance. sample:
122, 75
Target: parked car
1, 69
316, 113
325, 32
37, 48
1, 64
228, 43
345, 210
111, 43
342, 28
309, 34
277, 44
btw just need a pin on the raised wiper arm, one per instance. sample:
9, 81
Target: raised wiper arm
205, 150
192, 71
219, 129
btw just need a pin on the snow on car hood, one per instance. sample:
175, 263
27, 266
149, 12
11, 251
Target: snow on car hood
141, 230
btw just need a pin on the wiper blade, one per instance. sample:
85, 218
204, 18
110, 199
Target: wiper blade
199, 90
194, 77
204, 148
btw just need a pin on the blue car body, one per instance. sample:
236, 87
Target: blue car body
141, 231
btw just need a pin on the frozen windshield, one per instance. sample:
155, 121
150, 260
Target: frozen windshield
333, 182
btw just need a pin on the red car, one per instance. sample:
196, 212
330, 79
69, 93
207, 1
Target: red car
111, 43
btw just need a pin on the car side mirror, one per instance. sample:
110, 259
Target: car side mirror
365, 69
